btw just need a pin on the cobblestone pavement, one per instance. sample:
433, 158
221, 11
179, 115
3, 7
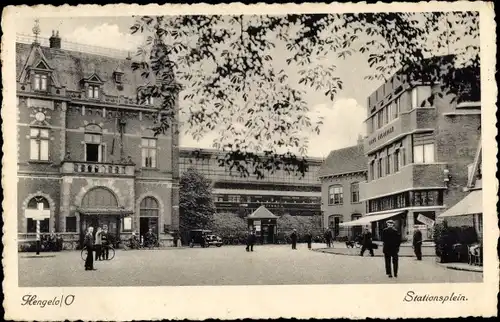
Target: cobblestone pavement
228, 265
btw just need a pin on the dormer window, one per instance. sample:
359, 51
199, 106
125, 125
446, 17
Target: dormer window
40, 82
150, 100
93, 86
93, 91
118, 78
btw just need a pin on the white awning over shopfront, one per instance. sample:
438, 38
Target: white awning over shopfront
369, 219
472, 204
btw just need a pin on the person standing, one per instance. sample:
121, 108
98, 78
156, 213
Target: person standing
150, 238
309, 240
328, 238
367, 242
88, 242
98, 244
293, 237
105, 238
250, 241
417, 243
392, 240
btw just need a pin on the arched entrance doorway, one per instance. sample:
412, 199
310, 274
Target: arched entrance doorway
100, 208
149, 214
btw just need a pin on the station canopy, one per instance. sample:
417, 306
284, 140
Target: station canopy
370, 218
472, 204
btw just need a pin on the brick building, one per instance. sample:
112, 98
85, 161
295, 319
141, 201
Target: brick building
417, 153
280, 192
341, 175
86, 151
469, 210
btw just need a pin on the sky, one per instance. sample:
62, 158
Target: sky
343, 118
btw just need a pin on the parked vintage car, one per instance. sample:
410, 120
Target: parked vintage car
198, 237
213, 240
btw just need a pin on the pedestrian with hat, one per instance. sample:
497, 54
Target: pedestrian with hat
417, 243
294, 237
392, 241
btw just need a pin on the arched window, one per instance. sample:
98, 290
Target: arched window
149, 207
99, 198
33, 205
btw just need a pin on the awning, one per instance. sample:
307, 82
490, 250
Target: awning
472, 204
371, 218
105, 212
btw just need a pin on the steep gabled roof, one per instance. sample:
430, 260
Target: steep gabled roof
342, 161
69, 68
262, 213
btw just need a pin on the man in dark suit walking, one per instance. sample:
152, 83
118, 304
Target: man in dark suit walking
392, 240
251, 238
328, 238
88, 242
417, 243
294, 237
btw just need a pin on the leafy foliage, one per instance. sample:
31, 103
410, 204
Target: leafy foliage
228, 224
303, 224
195, 201
234, 72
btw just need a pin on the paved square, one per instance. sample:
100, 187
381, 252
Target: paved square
228, 265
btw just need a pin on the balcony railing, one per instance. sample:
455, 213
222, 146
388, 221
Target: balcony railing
102, 168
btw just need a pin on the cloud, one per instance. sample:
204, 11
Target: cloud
187, 141
342, 124
113, 38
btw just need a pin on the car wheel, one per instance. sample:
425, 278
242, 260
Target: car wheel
219, 245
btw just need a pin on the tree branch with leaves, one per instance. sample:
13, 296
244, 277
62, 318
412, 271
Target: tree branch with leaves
246, 76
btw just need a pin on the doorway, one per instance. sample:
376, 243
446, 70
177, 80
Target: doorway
148, 222
112, 222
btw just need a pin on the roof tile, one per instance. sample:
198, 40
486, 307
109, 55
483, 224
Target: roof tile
346, 160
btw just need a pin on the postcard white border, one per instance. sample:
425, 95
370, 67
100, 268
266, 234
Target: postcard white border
231, 302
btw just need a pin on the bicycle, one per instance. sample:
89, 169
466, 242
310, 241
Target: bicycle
132, 244
109, 247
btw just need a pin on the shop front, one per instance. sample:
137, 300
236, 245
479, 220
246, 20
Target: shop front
377, 222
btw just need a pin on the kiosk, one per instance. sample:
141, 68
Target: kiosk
264, 223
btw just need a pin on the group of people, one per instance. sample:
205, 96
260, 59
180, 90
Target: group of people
136, 242
252, 238
391, 240
308, 238
52, 242
98, 243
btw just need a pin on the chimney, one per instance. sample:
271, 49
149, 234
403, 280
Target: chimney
55, 40
360, 139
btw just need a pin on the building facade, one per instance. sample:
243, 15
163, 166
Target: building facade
280, 192
86, 153
341, 175
417, 153
469, 211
